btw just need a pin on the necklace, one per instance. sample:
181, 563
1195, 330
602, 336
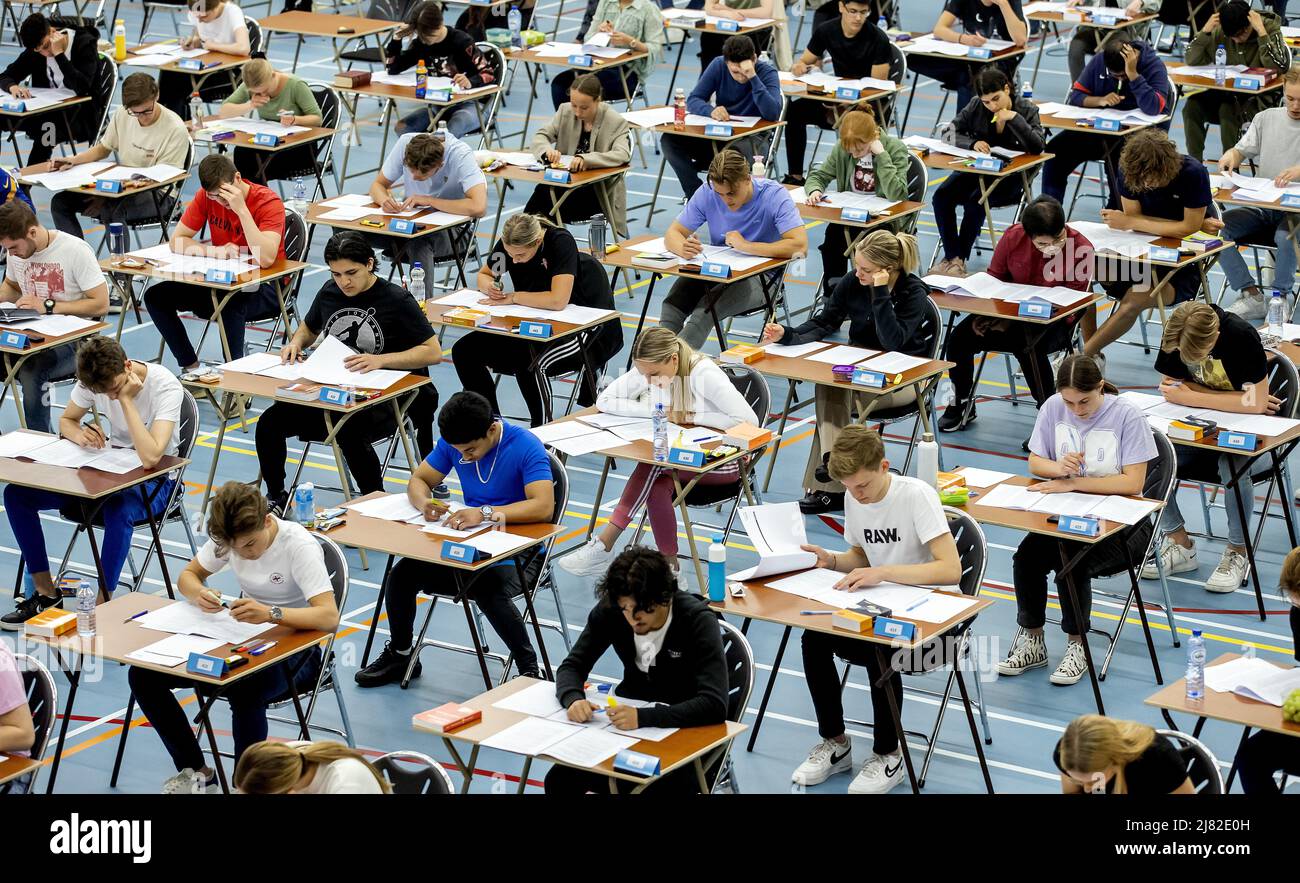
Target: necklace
479, 472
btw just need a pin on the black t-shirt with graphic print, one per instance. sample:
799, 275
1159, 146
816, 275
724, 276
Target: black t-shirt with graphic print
1236, 359
382, 319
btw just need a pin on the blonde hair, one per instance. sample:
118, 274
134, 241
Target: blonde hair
258, 73
236, 510
729, 167
275, 767
658, 345
858, 126
1289, 581
857, 448
1192, 329
1093, 743
891, 251
524, 229
1292, 75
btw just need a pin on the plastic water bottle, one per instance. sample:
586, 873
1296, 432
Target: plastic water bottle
1276, 315
927, 460
417, 282
196, 110
304, 503
679, 111
516, 22
85, 610
299, 203
117, 240
441, 134
717, 570
1027, 91
119, 41
596, 236
1196, 667
883, 24
764, 57
759, 168
1220, 65
659, 422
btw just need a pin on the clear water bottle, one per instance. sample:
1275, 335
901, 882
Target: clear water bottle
927, 460
759, 168
1220, 65
417, 282
304, 503
717, 570
117, 241
1027, 91
441, 134
516, 23
659, 422
196, 110
1196, 667
596, 236
883, 24
1276, 315
764, 57
85, 609
679, 111
299, 203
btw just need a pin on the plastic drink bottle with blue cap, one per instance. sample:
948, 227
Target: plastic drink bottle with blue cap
417, 281
1276, 315
515, 19
1220, 65
1196, 667
717, 570
299, 203
85, 609
659, 424
304, 503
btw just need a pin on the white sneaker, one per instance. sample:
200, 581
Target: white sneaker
1074, 665
879, 775
827, 758
591, 560
1173, 558
188, 781
1027, 651
1249, 306
1230, 574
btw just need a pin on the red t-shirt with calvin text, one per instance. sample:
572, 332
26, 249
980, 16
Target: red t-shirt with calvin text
224, 225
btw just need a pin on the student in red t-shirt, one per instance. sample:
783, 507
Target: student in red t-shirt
243, 220
1040, 250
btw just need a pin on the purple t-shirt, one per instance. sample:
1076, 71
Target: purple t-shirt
1117, 435
769, 213
12, 694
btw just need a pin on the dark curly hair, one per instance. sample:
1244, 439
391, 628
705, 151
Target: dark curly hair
639, 573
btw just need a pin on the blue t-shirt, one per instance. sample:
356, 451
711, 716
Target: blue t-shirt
769, 213
518, 459
1189, 189
457, 174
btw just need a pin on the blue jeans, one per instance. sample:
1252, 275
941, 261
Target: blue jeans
461, 120
1198, 465
118, 515
248, 697
1257, 224
35, 377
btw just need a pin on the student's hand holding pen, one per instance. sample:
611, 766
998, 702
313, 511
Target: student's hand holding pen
581, 711
1071, 464
209, 601
435, 510
290, 352
623, 717
92, 436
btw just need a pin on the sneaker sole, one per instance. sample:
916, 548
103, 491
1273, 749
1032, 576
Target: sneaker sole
1223, 590
383, 683
1065, 682
1019, 671
834, 771
958, 428
889, 787
12, 626
596, 570
1190, 567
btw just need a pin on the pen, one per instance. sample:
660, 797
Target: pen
216, 599
258, 651
917, 604
816, 612
137, 616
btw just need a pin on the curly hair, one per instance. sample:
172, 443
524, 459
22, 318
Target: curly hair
639, 573
1149, 161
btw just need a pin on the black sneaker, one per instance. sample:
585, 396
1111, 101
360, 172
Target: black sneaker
441, 492
388, 668
26, 609
796, 180
1024, 445
114, 301
818, 502
278, 503
821, 473
951, 419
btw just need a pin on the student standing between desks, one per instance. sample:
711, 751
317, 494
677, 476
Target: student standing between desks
386, 329
1249, 37
446, 52
243, 220
1040, 250
1210, 358
142, 402
52, 273
1126, 74
55, 58
282, 580
742, 86
886, 304
219, 26
755, 216
635, 25
141, 133
897, 532
1101, 755
863, 160
17, 731
671, 649
1264, 753
277, 97
1162, 193
306, 768
437, 174
857, 49
1272, 144
694, 392
981, 20
596, 136
505, 476
994, 118
1085, 40
1085, 440
547, 272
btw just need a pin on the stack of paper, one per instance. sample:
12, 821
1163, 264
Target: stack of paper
576, 438
168, 261
162, 54
1121, 242
1124, 510
44, 97
406, 79
893, 363
1159, 413
573, 313
777, 532
69, 179
389, 507
736, 260
253, 127
907, 602
932, 44
325, 365
737, 122
795, 351
864, 201
538, 700
650, 117
1254, 679
937, 146
564, 50
1206, 70
52, 326
983, 477
521, 159
983, 285
843, 355
174, 650
54, 451
183, 618
1258, 189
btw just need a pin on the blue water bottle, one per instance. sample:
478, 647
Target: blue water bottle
304, 503
717, 570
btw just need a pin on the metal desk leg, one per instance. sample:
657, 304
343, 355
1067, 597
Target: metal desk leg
886, 670
1067, 566
767, 691
974, 732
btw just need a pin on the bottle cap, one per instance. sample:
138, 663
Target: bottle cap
718, 540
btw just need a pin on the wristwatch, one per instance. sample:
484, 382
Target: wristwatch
49, 306
488, 513
276, 614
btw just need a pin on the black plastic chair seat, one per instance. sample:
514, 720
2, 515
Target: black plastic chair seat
711, 494
369, 55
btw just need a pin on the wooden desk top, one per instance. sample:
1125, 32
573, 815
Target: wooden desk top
422, 227
622, 259
51, 340
12, 766
243, 139
1033, 522
409, 541
1183, 81
508, 326
84, 483
1000, 309
238, 383
806, 370
1225, 195
796, 90
1266, 442
320, 24
535, 176
673, 751
129, 188
773, 605
1051, 121
219, 61
698, 131
1088, 13
1184, 259
831, 215
258, 275
945, 163
407, 93
531, 56
642, 451
116, 636
62, 105
701, 25
1228, 707
1009, 52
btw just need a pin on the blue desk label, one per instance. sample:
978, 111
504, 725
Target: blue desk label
867, 377
266, 139
333, 395
1246, 81
580, 60
720, 130
855, 214
1168, 255
401, 225
458, 552
716, 270
1290, 200
636, 763
13, 339
224, 277
557, 176
108, 186
979, 52
1083, 526
208, 666
848, 93
885, 627
538, 330
1105, 20
686, 457
1035, 309
190, 64
14, 106
1106, 125
438, 95
1237, 441
728, 25
988, 164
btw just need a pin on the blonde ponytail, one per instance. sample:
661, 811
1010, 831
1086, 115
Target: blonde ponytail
657, 345
275, 767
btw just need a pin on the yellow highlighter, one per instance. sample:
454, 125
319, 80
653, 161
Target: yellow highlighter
611, 701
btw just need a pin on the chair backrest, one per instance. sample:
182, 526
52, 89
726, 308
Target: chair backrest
918, 178
560, 483
972, 549
254, 36
105, 83
189, 425
740, 670
42, 699
336, 565
329, 103
1284, 383
496, 60
931, 329
1162, 470
295, 236
753, 386
1202, 765
897, 63
410, 772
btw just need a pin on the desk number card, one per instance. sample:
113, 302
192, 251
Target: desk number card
221, 277
580, 60
718, 130
1084, 526
208, 666
13, 340
536, 330
108, 186
716, 270
979, 52
1237, 441
728, 25
266, 139
557, 176
401, 225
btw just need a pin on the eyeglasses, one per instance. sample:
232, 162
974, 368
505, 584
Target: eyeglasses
857, 13
142, 113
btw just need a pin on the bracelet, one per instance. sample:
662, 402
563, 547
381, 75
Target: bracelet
835, 561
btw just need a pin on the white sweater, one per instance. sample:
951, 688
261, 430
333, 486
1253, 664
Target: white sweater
715, 401
1273, 139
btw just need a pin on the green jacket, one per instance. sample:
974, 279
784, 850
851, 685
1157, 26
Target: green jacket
1267, 51
891, 174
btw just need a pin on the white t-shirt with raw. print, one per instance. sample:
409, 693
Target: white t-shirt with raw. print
64, 270
160, 399
898, 528
289, 574
222, 28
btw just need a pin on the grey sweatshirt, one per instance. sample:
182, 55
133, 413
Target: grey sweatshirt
1273, 141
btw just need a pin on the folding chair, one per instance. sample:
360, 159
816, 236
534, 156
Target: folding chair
43, 700
1202, 765
295, 249
410, 772
740, 685
322, 163
930, 331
